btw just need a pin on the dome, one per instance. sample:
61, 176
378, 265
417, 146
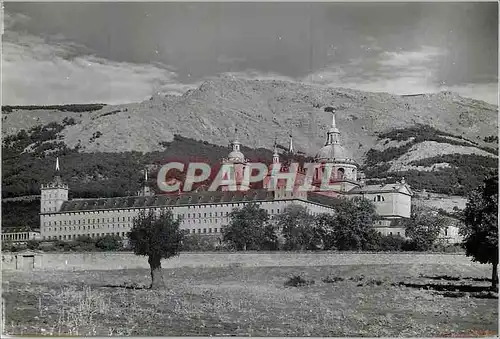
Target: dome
236, 156
333, 152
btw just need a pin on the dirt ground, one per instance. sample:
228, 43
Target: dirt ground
410, 300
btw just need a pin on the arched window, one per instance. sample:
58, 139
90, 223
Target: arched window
340, 173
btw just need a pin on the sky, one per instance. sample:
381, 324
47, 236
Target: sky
55, 53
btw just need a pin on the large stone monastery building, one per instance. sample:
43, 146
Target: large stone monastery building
207, 212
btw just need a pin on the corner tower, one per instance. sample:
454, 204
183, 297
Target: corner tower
53, 194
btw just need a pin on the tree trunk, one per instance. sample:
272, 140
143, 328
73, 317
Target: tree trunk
494, 277
156, 274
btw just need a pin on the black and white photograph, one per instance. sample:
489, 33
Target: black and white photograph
249, 169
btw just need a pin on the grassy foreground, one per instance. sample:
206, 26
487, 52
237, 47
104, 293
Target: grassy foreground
355, 300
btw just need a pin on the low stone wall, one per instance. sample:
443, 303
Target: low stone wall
125, 260
22, 261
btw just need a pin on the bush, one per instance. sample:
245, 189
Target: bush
109, 243
33, 244
297, 281
197, 243
391, 243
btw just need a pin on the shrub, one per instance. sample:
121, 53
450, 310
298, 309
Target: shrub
332, 280
391, 243
109, 243
196, 242
297, 281
33, 244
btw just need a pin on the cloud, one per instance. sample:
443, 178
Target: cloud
51, 71
398, 72
400, 59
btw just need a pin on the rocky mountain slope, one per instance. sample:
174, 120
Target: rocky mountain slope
261, 111
439, 142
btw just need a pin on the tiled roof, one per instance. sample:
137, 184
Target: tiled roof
379, 188
6, 230
183, 199
322, 199
165, 200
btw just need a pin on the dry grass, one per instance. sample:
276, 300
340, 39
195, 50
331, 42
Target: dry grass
251, 301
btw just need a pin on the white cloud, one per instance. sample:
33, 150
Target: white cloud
411, 58
403, 72
35, 71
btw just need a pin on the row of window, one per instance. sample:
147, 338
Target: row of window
74, 228
89, 221
74, 236
50, 195
98, 220
390, 233
199, 230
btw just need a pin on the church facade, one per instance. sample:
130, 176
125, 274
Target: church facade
207, 212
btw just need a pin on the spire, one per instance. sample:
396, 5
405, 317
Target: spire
57, 177
276, 156
146, 191
235, 144
290, 148
333, 135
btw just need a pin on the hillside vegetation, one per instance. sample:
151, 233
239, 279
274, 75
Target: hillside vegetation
455, 174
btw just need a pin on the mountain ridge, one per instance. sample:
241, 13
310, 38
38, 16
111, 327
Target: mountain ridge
263, 110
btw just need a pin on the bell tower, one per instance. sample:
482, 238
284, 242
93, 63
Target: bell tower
53, 194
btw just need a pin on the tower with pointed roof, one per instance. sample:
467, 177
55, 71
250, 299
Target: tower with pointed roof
146, 190
290, 146
53, 194
235, 163
276, 156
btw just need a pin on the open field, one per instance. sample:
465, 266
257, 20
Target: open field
367, 300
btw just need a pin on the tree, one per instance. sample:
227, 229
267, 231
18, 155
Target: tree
296, 224
480, 228
324, 231
270, 240
353, 222
423, 228
157, 236
247, 227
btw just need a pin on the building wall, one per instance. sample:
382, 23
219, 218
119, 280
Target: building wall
390, 204
52, 198
450, 235
391, 231
21, 261
402, 205
200, 219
